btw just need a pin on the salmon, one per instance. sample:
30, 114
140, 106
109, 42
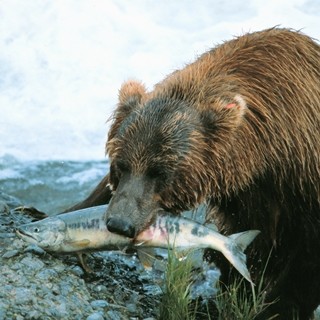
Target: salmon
85, 230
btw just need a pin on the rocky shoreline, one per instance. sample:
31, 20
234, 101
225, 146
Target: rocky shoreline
37, 285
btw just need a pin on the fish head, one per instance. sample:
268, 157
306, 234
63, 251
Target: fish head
48, 234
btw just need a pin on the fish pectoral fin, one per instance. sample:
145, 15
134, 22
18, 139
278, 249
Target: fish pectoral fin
81, 244
147, 257
32, 212
83, 261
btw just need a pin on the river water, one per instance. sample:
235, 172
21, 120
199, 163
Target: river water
50, 186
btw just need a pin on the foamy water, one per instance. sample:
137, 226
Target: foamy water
62, 62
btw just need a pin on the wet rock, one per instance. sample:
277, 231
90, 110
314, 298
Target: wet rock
100, 288
4, 207
99, 304
34, 314
204, 283
9, 201
46, 275
132, 308
7, 235
23, 295
77, 270
34, 249
113, 315
96, 316
10, 254
32, 263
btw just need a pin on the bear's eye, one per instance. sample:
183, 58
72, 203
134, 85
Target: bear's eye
123, 167
156, 172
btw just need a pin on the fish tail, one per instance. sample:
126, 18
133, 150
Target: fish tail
235, 251
243, 239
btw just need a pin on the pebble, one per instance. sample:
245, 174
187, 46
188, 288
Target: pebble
152, 289
3, 310
78, 271
95, 316
99, 304
47, 274
10, 254
34, 249
100, 288
34, 314
33, 263
132, 308
6, 235
4, 207
113, 315
23, 295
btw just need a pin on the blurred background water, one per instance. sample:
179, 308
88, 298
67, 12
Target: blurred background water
50, 186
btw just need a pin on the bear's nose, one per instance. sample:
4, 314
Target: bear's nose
121, 227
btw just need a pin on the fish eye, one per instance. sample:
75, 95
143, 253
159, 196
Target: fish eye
36, 229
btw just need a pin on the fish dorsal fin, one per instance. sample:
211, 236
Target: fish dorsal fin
243, 239
81, 244
211, 226
147, 257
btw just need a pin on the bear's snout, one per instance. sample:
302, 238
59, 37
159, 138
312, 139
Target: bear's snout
121, 226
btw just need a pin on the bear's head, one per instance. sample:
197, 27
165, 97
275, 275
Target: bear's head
161, 152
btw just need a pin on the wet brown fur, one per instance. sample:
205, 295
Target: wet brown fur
239, 130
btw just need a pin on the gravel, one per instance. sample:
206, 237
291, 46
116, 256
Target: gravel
38, 285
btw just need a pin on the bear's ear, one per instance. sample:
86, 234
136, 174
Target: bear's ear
131, 95
224, 115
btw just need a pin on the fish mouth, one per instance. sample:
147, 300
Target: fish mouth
23, 235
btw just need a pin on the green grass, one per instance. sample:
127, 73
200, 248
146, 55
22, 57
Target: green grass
235, 302
176, 301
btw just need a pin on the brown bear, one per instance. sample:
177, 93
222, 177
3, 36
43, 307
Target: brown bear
239, 130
